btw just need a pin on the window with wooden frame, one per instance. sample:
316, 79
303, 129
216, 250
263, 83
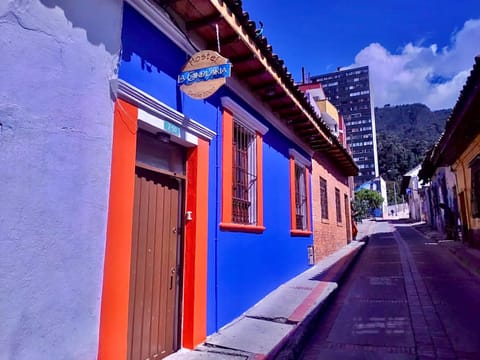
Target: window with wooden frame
242, 173
338, 206
300, 208
300, 198
323, 199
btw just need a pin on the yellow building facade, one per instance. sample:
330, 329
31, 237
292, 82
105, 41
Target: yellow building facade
467, 170
459, 149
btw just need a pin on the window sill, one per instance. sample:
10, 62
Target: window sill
242, 228
295, 232
325, 221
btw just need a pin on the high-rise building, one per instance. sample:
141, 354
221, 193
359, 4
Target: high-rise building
350, 91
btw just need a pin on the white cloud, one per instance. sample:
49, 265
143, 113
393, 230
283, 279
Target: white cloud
424, 74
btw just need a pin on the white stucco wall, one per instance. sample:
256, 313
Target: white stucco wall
55, 151
383, 192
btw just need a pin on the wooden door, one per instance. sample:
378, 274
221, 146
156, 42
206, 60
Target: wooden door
463, 216
348, 221
153, 318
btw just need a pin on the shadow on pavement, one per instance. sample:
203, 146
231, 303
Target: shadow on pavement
467, 256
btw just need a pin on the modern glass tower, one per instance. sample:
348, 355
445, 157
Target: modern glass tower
350, 91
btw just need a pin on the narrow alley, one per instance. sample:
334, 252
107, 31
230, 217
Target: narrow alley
406, 297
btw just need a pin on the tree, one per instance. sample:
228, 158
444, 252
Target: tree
404, 134
365, 202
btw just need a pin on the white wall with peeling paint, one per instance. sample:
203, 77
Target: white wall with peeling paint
56, 116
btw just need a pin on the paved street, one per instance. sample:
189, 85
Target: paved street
405, 298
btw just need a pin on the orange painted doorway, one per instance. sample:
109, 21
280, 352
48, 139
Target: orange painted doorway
191, 281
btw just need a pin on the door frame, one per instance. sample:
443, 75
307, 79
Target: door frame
348, 220
128, 112
463, 216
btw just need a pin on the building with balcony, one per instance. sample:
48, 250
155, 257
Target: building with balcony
326, 110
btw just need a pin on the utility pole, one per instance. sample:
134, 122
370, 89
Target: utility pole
395, 195
394, 191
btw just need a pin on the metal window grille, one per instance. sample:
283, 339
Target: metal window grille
338, 205
300, 198
323, 198
244, 200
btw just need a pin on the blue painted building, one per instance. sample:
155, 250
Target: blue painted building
201, 207
243, 266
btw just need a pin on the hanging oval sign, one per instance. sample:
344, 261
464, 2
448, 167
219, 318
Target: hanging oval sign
204, 74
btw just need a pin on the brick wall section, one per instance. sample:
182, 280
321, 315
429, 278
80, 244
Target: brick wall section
329, 235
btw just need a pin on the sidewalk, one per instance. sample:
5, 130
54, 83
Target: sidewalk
365, 229
468, 257
274, 326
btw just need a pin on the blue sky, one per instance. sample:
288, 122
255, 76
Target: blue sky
418, 51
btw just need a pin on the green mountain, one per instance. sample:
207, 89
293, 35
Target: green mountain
404, 134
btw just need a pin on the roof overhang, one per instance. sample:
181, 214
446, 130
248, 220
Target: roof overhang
262, 71
461, 128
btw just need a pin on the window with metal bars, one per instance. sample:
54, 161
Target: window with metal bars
300, 198
338, 205
323, 198
244, 194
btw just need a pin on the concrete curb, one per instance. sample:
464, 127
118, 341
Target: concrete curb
292, 345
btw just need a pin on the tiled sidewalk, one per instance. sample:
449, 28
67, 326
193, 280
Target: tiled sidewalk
275, 326
467, 256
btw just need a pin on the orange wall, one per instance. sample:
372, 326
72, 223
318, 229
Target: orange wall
195, 251
116, 277
328, 235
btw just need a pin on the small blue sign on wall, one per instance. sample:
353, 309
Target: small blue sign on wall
171, 128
